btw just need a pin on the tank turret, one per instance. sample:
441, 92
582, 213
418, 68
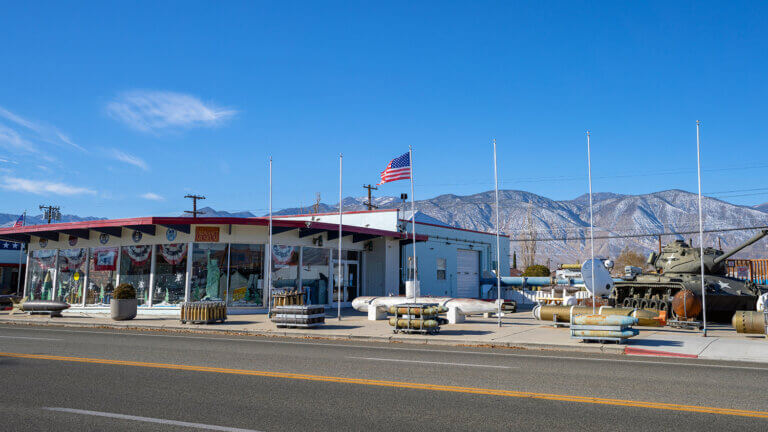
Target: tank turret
679, 257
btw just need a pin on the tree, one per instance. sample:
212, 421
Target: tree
629, 257
536, 270
528, 243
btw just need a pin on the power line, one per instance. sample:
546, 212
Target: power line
51, 213
675, 233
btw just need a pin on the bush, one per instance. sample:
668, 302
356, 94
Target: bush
124, 292
536, 270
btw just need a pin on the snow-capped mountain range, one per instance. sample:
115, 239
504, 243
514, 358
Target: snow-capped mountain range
562, 227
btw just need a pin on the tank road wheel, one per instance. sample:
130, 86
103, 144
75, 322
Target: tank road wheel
635, 303
644, 304
653, 304
627, 302
663, 306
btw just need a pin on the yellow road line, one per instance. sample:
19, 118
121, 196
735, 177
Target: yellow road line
407, 385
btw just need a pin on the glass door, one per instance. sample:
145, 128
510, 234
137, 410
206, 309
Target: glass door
350, 277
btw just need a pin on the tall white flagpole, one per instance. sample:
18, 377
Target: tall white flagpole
269, 252
21, 248
341, 280
498, 242
413, 227
591, 226
701, 233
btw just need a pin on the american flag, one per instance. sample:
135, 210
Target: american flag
19, 222
398, 168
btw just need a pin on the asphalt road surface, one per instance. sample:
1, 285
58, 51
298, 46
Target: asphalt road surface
70, 379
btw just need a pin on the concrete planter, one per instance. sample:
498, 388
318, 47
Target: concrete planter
123, 309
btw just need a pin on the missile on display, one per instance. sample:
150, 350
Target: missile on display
466, 306
645, 317
51, 307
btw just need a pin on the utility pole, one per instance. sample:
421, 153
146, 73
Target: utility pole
369, 203
51, 213
316, 206
194, 198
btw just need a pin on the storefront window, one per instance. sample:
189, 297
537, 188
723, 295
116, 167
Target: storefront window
102, 273
285, 267
71, 275
314, 274
246, 275
209, 272
40, 277
170, 274
135, 265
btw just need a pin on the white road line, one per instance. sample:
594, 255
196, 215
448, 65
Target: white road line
433, 363
30, 338
149, 420
392, 348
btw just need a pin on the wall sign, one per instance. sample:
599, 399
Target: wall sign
72, 240
43, 242
170, 234
104, 238
207, 234
136, 236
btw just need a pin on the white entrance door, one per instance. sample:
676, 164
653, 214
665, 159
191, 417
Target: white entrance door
468, 273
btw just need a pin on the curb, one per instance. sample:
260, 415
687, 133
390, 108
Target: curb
592, 348
655, 353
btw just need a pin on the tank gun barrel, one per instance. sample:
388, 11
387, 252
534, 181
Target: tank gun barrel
735, 250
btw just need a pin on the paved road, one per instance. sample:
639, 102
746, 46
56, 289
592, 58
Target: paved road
171, 381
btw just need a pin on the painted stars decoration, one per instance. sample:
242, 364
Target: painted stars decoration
10, 246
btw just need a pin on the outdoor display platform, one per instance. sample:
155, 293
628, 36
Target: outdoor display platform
301, 316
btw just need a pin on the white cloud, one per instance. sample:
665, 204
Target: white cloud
151, 111
35, 131
153, 196
43, 187
12, 140
129, 159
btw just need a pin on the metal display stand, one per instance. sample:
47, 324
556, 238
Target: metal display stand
600, 328
415, 322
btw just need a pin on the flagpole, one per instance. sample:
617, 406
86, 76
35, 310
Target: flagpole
498, 251
591, 226
413, 226
701, 233
341, 280
21, 248
269, 252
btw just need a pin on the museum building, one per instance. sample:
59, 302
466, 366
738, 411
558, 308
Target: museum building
170, 260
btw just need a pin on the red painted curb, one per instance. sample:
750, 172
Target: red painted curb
647, 352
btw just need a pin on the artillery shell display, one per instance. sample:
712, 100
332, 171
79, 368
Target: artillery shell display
604, 320
645, 317
751, 322
417, 311
621, 334
412, 323
205, 312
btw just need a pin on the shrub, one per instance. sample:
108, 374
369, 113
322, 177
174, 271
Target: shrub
124, 291
536, 270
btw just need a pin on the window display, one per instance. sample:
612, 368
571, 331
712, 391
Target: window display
135, 266
209, 272
170, 274
102, 273
314, 273
246, 275
71, 277
285, 267
40, 278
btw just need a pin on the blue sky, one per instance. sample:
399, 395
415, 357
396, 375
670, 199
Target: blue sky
119, 109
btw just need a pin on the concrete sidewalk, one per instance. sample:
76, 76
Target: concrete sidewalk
519, 330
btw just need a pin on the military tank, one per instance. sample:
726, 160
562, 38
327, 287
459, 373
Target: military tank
678, 267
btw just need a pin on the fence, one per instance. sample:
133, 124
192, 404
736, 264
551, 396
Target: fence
755, 270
